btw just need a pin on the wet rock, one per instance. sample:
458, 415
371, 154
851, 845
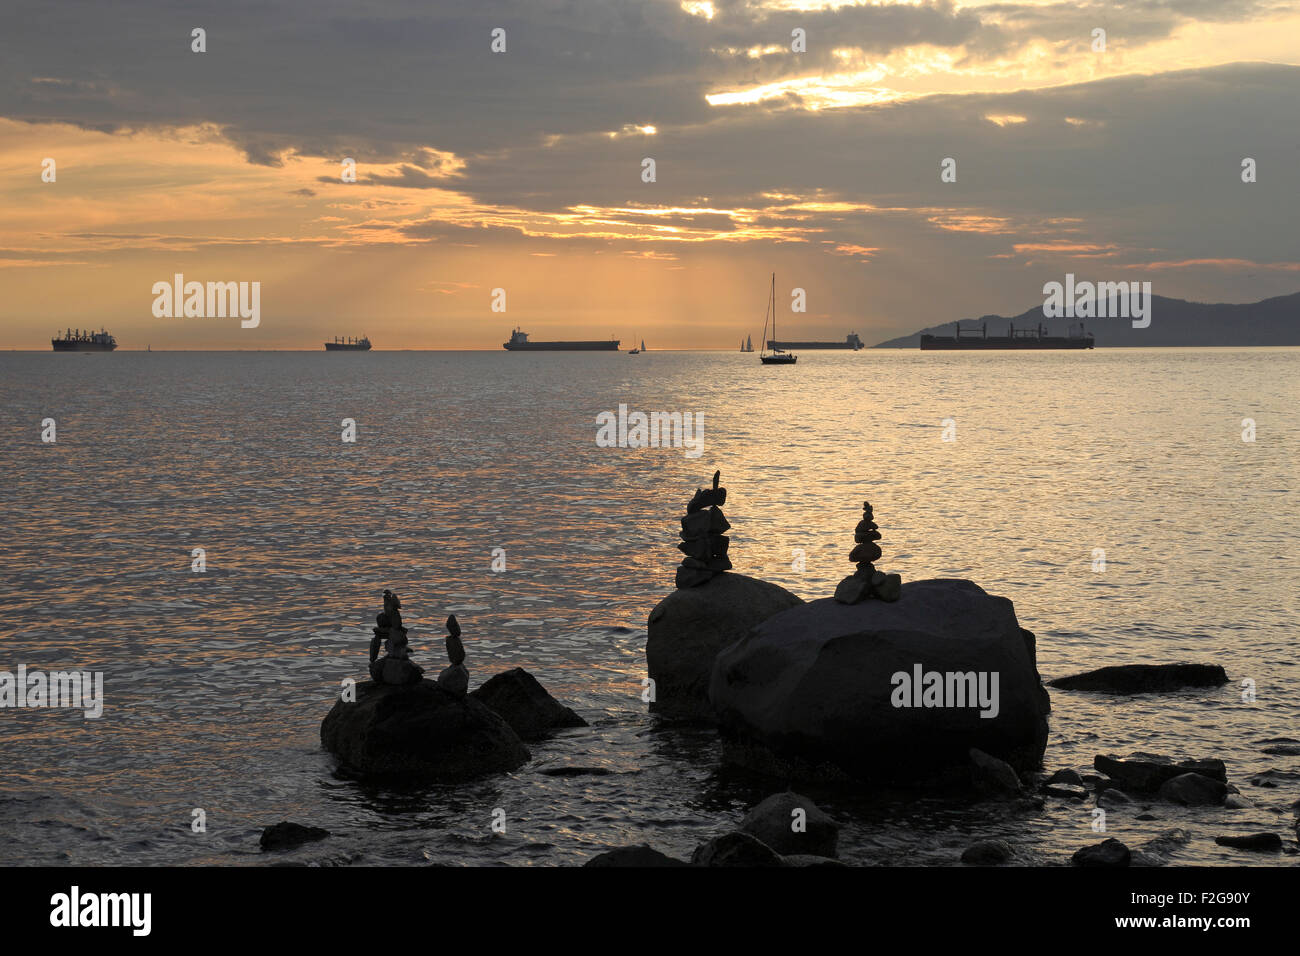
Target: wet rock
988, 853
1259, 842
1159, 851
688, 628
824, 690
1146, 816
1066, 775
634, 856
1237, 802
1112, 797
735, 849
576, 772
1065, 791
525, 705
1144, 678
1146, 773
419, 731
991, 775
286, 835
1194, 790
1109, 853
1283, 750
1274, 778
791, 823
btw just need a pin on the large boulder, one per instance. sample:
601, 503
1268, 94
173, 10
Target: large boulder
883, 691
419, 731
1144, 678
286, 835
1194, 790
525, 705
688, 628
639, 856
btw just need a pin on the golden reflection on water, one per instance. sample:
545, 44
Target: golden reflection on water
216, 682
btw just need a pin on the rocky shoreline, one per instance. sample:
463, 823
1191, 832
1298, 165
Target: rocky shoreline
929, 686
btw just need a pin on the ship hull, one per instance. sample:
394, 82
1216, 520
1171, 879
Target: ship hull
611, 346
774, 344
946, 343
60, 346
345, 347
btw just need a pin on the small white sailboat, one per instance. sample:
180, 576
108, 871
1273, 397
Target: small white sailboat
747, 344
779, 356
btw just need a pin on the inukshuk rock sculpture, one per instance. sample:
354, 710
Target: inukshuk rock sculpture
704, 540
456, 677
867, 581
395, 667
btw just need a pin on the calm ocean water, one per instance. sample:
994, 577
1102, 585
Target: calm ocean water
216, 683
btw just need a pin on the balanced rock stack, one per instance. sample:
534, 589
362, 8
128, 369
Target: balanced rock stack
395, 667
867, 581
456, 677
704, 539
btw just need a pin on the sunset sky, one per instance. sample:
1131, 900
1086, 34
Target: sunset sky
522, 170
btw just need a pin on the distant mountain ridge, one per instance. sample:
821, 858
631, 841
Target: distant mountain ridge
1174, 322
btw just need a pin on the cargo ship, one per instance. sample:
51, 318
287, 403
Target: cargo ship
1035, 338
851, 341
347, 344
79, 340
519, 343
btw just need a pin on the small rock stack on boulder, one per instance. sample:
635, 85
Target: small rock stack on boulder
456, 677
395, 667
704, 539
712, 607
867, 581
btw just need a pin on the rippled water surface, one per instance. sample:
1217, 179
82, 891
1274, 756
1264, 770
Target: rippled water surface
216, 683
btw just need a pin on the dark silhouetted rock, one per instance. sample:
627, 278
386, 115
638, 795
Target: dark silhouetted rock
419, 731
1066, 776
1066, 791
1194, 790
1144, 678
1260, 842
577, 772
1108, 853
811, 693
736, 849
1146, 773
524, 703
688, 628
634, 856
774, 820
1236, 801
990, 775
867, 582
287, 835
455, 678
988, 853
808, 859
1113, 797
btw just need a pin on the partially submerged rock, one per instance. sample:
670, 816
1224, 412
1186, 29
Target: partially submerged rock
1158, 851
1194, 790
688, 628
791, 824
420, 731
1146, 773
1259, 842
736, 849
1144, 678
989, 775
525, 705
825, 690
634, 856
1108, 853
988, 853
286, 835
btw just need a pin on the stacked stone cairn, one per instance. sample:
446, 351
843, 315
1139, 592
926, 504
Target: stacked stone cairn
704, 540
867, 581
456, 677
395, 667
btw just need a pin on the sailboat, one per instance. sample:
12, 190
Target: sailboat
637, 351
779, 356
747, 344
